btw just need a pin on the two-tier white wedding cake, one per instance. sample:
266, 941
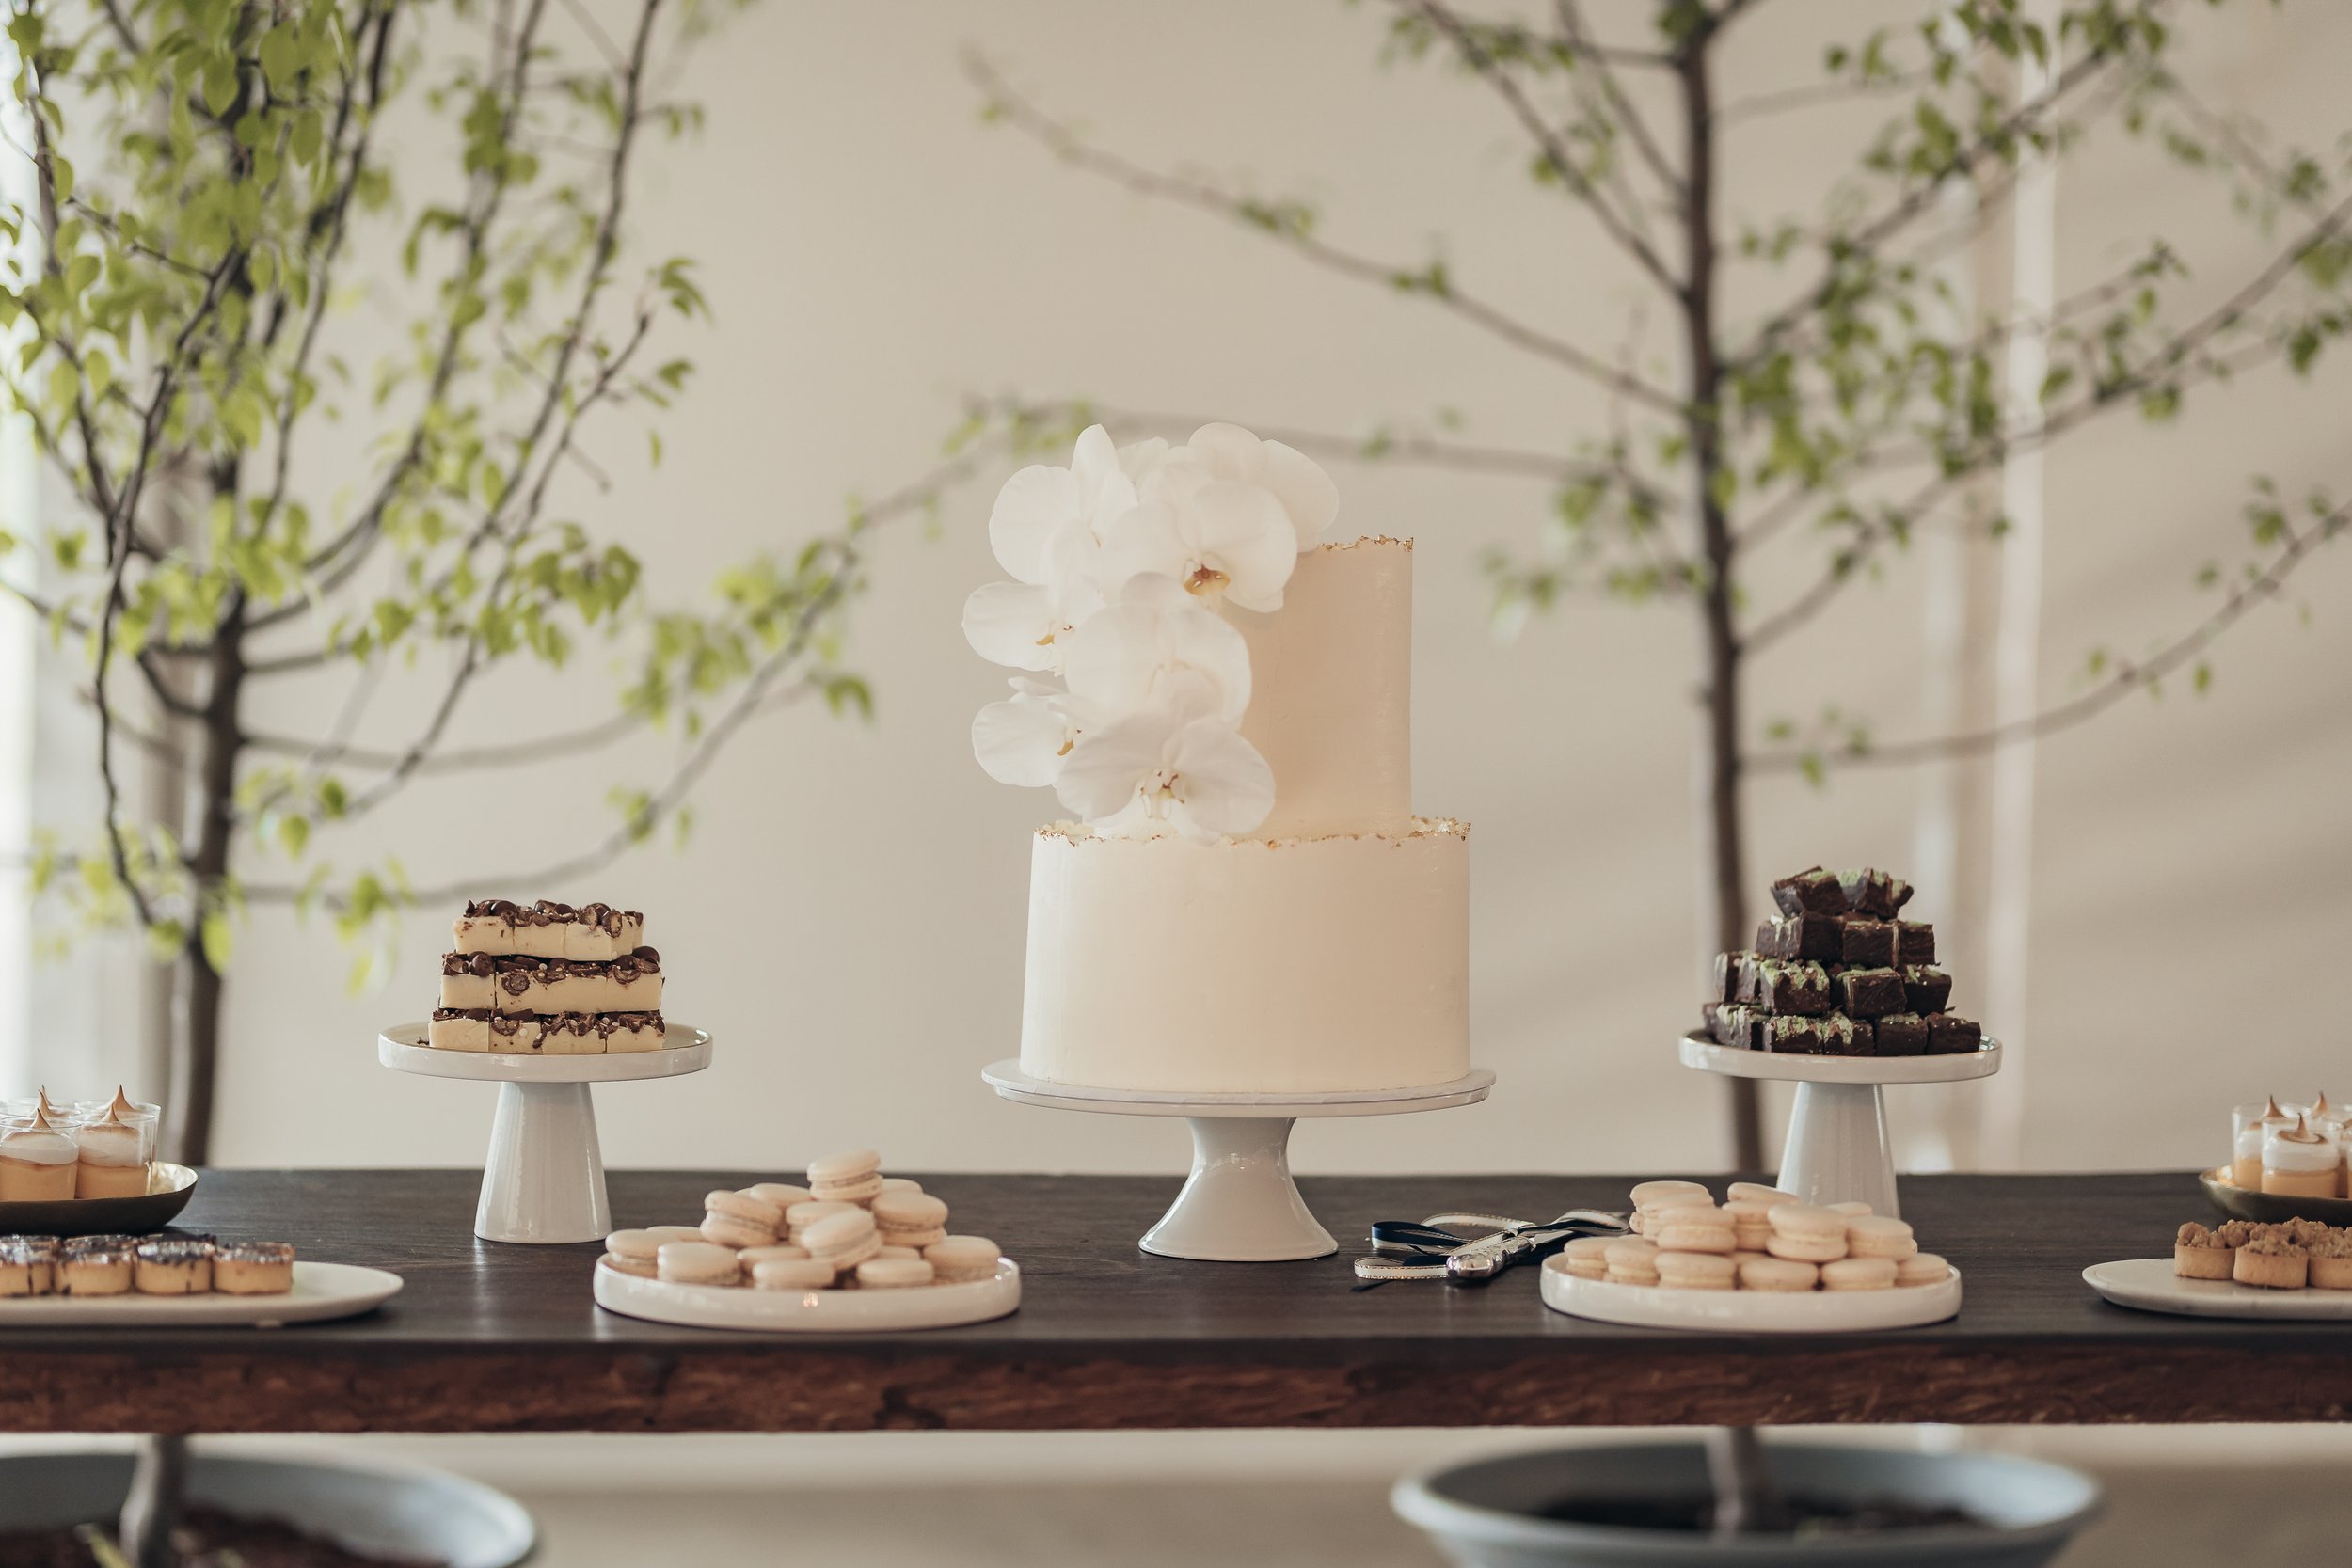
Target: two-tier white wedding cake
1246, 901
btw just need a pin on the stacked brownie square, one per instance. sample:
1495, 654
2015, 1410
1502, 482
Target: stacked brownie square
1838, 973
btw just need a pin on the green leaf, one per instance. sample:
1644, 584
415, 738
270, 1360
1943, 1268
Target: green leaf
218, 940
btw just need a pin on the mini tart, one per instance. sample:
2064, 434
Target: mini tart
27, 1265
2274, 1265
254, 1268
101, 1269
2329, 1273
2193, 1261
175, 1266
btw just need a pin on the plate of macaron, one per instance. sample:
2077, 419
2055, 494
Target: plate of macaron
851, 1251
176, 1280
1762, 1261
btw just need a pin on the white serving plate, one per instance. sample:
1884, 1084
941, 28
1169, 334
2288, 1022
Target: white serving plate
321, 1290
401, 1048
810, 1311
1739, 1062
1748, 1311
2150, 1285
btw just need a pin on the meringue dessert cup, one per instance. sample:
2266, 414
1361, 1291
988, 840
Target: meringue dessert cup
2248, 1123
132, 1112
37, 1163
110, 1158
2296, 1162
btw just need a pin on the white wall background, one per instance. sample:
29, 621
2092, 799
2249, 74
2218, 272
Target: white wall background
847, 917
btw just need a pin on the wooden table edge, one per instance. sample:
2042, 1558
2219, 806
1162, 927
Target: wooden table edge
682, 1388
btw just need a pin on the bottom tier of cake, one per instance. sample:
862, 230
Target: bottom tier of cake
1308, 965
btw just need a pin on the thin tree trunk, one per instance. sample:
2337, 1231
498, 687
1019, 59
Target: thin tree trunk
1726, 849
1745, 1497
223, 740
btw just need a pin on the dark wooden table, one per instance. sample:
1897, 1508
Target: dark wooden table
490, 1337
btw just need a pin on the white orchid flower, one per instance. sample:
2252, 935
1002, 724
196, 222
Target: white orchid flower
1156, 644
1220, 539
1028, 626
1022, 739
1139, 460
1041, 506
1308, 497
1165, 768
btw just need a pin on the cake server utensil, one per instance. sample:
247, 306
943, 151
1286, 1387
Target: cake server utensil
1434, 1248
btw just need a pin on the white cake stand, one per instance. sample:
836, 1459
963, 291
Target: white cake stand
544, 1179
1239, 1205
1837, 1149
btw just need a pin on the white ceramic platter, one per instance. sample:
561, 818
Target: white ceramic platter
2150, 1285
401, 1048
321, 1290
811, 1311
1748, 1311
1737, 1062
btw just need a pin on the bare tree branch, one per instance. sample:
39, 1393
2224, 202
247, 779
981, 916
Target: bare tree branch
1557, 156
2127, 677
328, 227
482, 212
1767, 104
1064, 144
1866, 238
759, 693
513, 753
1637, 129
1410, 449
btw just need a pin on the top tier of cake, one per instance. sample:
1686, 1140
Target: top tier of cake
1330, 703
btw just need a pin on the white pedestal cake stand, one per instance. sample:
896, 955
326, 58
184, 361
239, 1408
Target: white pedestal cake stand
1837, 1149
1239, 1205
544, 1179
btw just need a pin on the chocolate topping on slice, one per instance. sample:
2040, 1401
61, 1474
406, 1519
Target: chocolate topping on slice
175, 1249
480, 964
444, 1014
255, 1252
